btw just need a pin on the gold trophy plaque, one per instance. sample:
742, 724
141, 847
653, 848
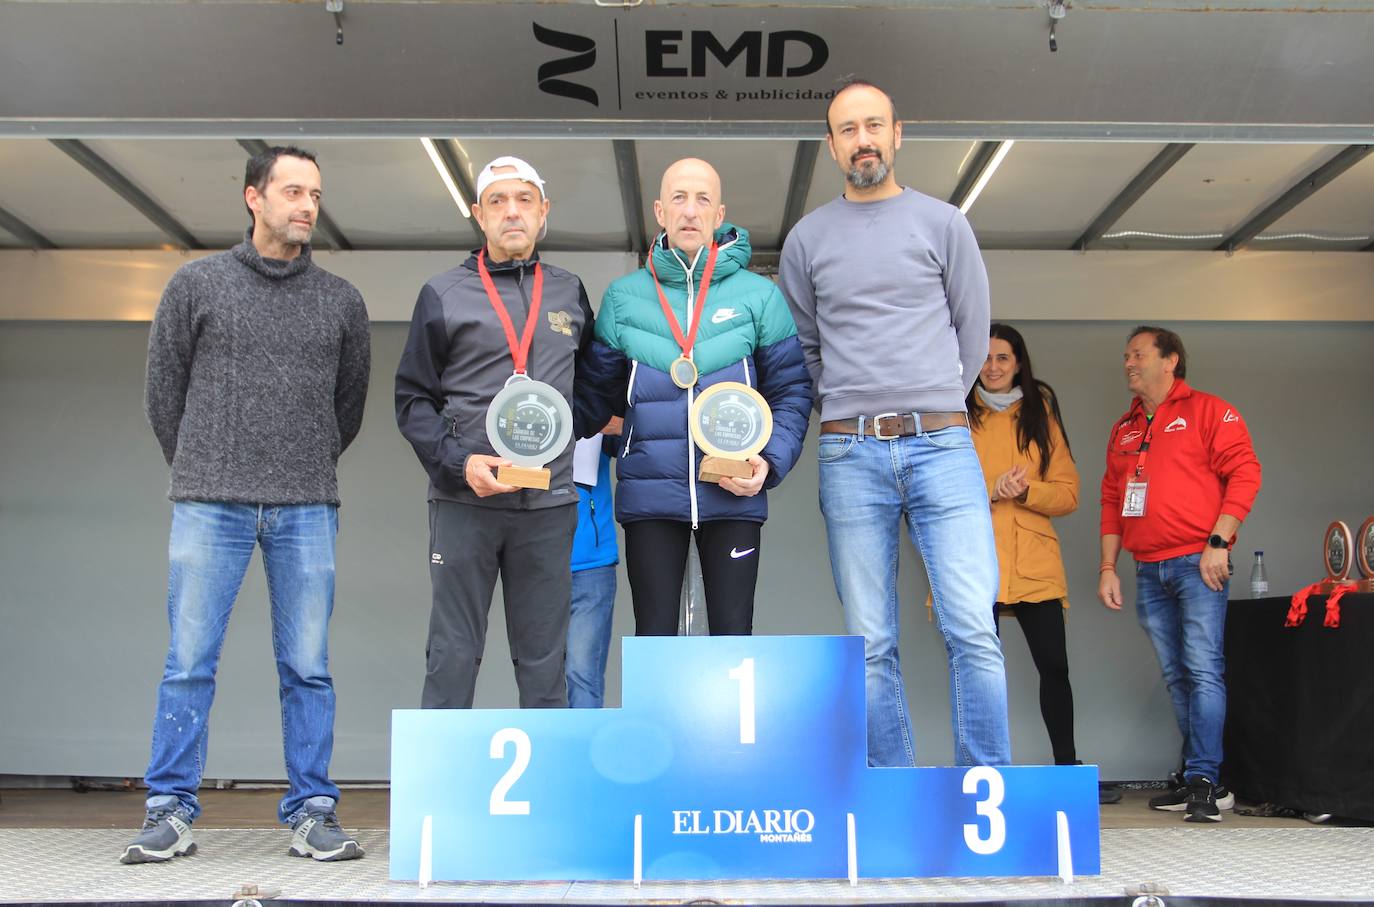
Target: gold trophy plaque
730, 422
1364, 555
1338, 552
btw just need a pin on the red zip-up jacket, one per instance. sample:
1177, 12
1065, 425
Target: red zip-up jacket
1200, 465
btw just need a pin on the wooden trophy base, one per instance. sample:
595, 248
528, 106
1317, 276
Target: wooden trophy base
713, 469
1365, 585
523, 477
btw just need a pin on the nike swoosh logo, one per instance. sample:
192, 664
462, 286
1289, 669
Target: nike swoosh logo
724, 315
736, 553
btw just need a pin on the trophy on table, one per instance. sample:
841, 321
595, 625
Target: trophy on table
529, 423
731, 422
1338, 551
1364, 555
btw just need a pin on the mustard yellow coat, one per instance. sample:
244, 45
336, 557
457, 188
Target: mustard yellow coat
1032, 569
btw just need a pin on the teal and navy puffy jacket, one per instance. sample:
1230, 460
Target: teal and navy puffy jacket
746, 335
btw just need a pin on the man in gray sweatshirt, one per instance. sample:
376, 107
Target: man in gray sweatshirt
258, 364
890, 298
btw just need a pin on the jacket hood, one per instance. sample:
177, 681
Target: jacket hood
735, 252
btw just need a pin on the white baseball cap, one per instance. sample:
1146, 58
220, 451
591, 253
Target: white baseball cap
523, 172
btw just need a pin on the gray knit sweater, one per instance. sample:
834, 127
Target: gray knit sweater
257, 373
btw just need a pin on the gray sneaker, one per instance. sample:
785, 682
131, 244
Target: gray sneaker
166, 833
315, 832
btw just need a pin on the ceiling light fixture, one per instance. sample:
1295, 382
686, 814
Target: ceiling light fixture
986, 175
444, 175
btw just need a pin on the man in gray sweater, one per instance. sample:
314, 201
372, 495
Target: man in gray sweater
890, 298
258, 364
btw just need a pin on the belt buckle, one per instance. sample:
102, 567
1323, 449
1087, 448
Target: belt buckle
878, 429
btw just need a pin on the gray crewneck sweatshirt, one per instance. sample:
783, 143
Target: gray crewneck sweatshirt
891, 303
257, 373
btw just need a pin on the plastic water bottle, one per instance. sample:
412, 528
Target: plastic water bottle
1259, 579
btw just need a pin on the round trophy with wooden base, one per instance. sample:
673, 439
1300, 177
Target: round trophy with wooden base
731, 422
1364, 555
530, 424
1338, 553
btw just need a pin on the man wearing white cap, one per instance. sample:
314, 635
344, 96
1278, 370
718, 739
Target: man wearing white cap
500, 313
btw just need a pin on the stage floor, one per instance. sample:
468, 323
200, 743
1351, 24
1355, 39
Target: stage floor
48, 853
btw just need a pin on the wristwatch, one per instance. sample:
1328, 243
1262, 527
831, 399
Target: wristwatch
1216, 541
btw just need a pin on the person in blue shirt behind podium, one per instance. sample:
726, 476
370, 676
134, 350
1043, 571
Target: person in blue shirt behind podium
594, 556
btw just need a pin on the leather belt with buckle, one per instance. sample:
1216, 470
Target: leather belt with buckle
887, 426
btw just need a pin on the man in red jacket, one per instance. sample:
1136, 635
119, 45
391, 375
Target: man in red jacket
1181, 477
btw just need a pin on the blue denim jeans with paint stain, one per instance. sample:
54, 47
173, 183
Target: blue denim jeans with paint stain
208, 555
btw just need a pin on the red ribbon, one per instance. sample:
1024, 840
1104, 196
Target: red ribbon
520, 354
1333, 604
689, 340
1297, 610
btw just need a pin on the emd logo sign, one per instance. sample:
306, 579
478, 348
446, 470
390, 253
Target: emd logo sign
583, 56
750, 45
696, 54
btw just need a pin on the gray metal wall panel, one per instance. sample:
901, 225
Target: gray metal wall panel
83, 524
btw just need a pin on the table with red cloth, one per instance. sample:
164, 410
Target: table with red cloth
1300, 705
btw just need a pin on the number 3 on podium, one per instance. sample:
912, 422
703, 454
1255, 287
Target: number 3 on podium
987, 807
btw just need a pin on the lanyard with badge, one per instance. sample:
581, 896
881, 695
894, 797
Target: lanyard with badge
528, 422
683, 371
1136, 487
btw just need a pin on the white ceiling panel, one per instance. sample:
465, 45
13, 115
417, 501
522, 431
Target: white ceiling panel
585, 209
59, 198
932, 167
1212, 190
1341, 213
1045, 193
754, 176
385, 192
198, 181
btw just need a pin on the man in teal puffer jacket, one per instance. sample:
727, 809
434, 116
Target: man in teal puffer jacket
739, 329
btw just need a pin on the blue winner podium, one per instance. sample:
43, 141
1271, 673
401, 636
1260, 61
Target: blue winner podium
731, 758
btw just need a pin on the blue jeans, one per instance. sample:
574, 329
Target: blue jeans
1186, 621
208, 555
934, 483
589, 636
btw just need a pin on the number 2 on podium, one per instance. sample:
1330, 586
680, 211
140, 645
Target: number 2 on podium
500, 806
744, 673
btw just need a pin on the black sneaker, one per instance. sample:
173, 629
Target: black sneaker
166, 833
1108, 793
1202, 801
1175, 798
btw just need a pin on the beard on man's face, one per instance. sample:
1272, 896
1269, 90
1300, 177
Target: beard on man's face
867, 173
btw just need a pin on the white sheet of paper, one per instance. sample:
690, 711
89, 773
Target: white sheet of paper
586, 459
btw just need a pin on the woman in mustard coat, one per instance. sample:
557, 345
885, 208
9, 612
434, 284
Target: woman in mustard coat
1029, 467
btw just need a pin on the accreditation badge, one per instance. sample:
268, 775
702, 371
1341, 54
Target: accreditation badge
1134, 502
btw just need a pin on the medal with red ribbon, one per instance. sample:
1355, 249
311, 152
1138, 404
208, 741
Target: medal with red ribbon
528, 422
683, 370
520, 354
